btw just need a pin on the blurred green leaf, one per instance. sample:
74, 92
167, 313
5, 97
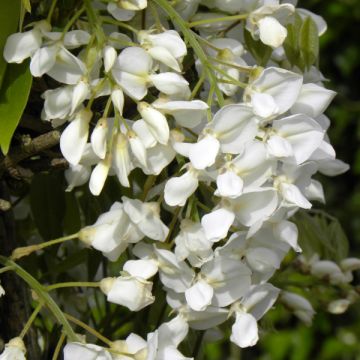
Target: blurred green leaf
321, 234
9, 20
291, 44
258, 50
72, 219
309, 42
47, 201
14, 95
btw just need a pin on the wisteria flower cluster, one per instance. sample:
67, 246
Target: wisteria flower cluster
228, 144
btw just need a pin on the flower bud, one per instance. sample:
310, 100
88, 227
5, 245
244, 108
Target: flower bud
156, 122
129, 291
98, 138
14, 350
338, 307
109, 55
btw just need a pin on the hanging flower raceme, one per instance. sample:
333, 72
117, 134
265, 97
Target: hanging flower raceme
212, 150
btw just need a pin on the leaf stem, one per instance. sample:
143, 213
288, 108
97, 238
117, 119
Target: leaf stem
58, 346
31, 320
43, 295
27, 250
191, 38
72, 284
6, 268
89, 329
218, 19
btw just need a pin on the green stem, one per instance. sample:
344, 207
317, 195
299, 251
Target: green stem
235, 66
6, 268
89, 329
72, 284
197, 87
219, 19
190, 37
31, 320
43, 295
108, 20
150, 181
27, 250
72, 20
225, 74
58, 347
51, 11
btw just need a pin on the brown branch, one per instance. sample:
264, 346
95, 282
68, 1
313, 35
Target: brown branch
31, 148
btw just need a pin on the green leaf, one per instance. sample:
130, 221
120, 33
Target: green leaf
47, 201
258, 50
14, 95
72, 219
26, 4
9, 21
321, 234
291, 43
309, 42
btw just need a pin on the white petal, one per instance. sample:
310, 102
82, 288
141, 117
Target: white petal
141, 268
264, 105
68, 69
158, 157
293, 195
77, 175
74, 138
109, 55
43, 60
156, 122
272, 33
199, 296
255, 206
279, 147
303, 133
117, 98
121, 159
313, 100
234, 125
217, 224
288, 232
262, 259
20, 46
164, 56
133, 85
80, 93
133, 60
170, 40
98, 177
170, 83
284, 86
99, 137
186, 113
131, 292
76, 38
57, 103
203, 153
244, 332
143, 132
137, 148
229, 185
119, 13
179, 189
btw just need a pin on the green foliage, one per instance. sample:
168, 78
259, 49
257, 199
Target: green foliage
321, 234
48, 204
14, 94
302, 43
9, 19
259, 51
